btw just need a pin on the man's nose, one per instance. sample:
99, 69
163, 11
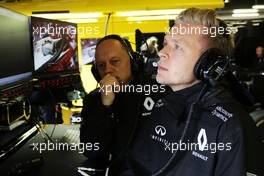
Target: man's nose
161, 54
108, 68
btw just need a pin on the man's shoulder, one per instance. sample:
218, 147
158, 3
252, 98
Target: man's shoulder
223, 108
222, 97
94, 94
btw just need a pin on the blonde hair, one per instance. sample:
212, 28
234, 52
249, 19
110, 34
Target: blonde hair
207, 18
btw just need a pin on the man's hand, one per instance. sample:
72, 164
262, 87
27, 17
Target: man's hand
107, 85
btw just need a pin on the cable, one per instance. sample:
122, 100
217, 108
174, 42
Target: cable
42, 131
45, 133
107, 22
35, 121
37, 124
24, 109
54, 126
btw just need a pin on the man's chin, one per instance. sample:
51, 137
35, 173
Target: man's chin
160, 80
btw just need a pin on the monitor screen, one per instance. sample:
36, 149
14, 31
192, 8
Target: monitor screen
88, 50
154, 40
15, 48
54, 47
149, 44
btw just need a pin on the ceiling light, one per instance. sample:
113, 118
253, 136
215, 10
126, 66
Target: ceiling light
258, 6
245, 14
245, 10
164, 17
255, 24
91, 20
150, 12
68, 15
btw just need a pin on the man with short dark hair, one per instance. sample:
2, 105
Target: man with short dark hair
112, 112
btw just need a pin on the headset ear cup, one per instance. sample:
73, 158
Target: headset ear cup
95, 73
137, 66
134, 67
134, 64
210, 64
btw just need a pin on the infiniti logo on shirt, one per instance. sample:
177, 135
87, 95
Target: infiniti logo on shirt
160, 130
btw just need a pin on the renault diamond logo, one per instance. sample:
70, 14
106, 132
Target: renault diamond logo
202, 139
149, 103
160, 130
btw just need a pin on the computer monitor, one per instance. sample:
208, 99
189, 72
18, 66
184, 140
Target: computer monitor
15, 49
142, 38
88, 50
54, 47
148, 44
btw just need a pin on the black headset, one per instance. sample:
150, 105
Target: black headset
134, 59
213, 63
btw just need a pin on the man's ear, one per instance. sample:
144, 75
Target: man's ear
95, 73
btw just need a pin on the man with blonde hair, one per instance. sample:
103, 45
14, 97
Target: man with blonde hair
195, 130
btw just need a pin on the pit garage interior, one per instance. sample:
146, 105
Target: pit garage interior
41, 101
